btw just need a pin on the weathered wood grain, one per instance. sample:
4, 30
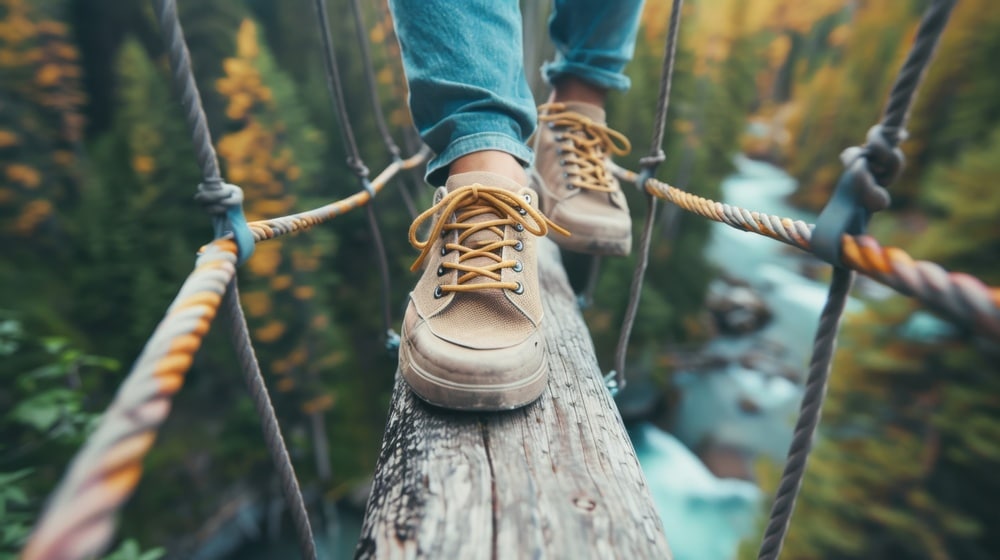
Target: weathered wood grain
556, 479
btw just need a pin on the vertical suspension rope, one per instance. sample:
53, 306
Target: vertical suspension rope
809, 414
882, 162
239, 335
366, 62
354, 161
213, 193
187, 88
616, 380
336, 90
897, 110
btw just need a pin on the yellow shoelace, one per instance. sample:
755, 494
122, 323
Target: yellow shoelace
465, 203
585, 144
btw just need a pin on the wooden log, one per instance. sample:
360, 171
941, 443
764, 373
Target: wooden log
556, 479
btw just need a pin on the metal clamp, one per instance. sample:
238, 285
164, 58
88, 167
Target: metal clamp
858, 194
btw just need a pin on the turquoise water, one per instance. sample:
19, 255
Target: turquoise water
704, 516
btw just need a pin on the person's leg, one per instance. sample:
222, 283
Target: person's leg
470, 336
594, 41
468, 92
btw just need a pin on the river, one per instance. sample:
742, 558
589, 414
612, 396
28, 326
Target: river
705, 517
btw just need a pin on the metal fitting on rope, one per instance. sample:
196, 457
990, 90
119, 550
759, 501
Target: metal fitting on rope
391, 341
652, 162
224, 201
368, 186
358, 167
859, 193
611, 383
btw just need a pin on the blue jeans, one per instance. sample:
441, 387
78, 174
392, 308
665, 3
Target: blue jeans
463, 63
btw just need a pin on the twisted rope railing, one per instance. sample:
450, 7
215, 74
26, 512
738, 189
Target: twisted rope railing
78, 521
225, 203
276, 227
958, 296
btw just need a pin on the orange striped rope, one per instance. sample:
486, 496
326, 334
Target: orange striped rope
959, 296
79, 520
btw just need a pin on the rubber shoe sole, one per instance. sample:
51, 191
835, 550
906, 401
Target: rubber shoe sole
445, 393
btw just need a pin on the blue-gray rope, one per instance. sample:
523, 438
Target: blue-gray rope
366, 62
239, 334
897, 110
859, 193
809, 414
616, 380
222, 200
354, 161
336, 91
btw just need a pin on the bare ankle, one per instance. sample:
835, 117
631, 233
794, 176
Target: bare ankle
491, 161
570, 88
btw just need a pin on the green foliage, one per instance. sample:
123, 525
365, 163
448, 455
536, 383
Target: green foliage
46, 416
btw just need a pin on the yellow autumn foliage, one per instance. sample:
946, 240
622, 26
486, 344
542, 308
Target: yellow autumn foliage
23, 174
7, 139
281, 282
257, 303
33, 214
270, 332
318, 404
304, 292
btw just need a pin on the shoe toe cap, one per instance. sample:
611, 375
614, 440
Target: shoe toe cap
461, 377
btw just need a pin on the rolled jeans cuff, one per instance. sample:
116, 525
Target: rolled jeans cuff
437, 168
592, 75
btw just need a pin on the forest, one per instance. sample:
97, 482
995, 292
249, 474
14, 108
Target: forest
99, 228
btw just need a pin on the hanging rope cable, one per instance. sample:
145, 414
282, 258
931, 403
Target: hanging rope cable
79, 518
354, 161
239, 335
616, 379
334, 87
366, 62
809, 415
859, 192
221, 199
897, 110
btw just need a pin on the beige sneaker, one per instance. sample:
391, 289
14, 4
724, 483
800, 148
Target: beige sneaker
470, 337
572, 147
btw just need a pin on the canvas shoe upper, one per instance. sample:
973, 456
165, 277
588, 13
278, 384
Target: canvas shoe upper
572, 147
470, 337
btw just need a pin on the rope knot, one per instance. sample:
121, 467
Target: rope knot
224, 201
650, 162
358, 167
885, 159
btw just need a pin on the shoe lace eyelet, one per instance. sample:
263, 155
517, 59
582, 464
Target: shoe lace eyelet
519, 227
518, 267
519, 246
444, 251
438, 293
570, 186
521, 211
442, 271
527, 198
520, 289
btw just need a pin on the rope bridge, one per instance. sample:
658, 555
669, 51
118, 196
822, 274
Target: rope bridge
79, 519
